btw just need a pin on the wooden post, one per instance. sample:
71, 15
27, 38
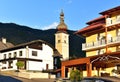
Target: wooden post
63, 71
89, 69
106, 39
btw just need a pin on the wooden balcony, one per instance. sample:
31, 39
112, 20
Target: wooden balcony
113, 23
113, 41
93, 45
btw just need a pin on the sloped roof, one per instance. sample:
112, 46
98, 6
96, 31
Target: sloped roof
110, 10
92, 25
5, 45
96, 19
56, 53
89, 28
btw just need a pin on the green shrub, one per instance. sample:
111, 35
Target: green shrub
20, 64
76, 75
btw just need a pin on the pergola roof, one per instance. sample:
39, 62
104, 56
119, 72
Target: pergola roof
96, 60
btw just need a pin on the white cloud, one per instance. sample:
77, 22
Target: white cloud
51, 26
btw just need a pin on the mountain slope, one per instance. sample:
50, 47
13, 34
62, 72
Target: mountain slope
18, 34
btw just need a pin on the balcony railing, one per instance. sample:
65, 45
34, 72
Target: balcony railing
116, 22
86, 46
114, 40
100, 43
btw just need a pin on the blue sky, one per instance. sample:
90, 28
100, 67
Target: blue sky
44, 14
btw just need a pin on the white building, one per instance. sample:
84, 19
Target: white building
36, 55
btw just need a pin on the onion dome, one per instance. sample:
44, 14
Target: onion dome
62, 26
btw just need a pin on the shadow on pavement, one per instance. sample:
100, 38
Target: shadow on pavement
8, 79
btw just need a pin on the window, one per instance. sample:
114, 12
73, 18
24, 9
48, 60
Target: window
34, 53
15, 54
20, 53
109, 37
118, 67
9, 55
3, 67
118, 32
4, 62
100, 52
64, 41
118, 18
58, 41
47, 66
98, 36
4, 56
10, 64
55, 61
109, 21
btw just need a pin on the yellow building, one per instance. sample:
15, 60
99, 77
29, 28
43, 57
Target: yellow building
102, 46
62, 38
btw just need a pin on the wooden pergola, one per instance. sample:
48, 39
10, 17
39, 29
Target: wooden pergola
99, 61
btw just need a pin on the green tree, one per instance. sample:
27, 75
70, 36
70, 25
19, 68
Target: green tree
20, 64
76, 75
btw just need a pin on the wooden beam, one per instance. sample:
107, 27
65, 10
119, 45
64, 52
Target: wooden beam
63, 71
89, 69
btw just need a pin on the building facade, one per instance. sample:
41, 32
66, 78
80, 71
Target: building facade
102, 46
36, 55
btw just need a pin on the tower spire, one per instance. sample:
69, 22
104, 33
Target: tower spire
62, 38
62, 26
62, 16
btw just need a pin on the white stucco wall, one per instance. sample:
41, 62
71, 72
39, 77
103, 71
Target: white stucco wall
45, 55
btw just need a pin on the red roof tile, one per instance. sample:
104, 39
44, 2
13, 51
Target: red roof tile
97, 19
90, 27
110, 10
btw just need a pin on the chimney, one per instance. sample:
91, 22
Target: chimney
4, 40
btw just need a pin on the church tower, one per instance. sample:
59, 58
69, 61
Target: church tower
62, 38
